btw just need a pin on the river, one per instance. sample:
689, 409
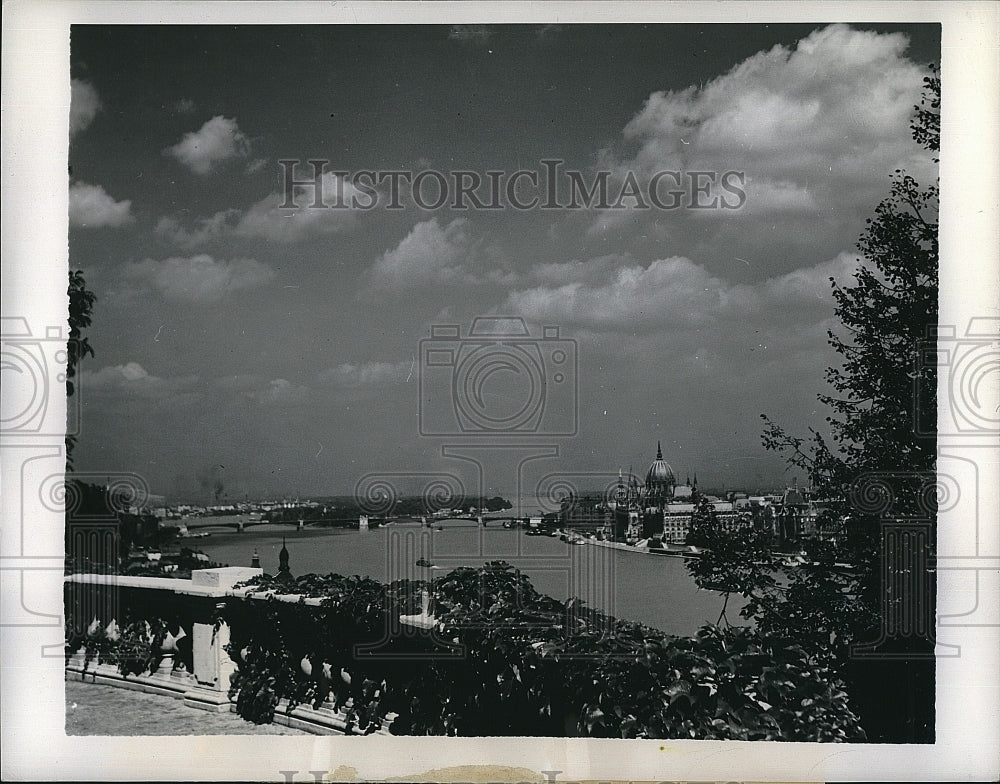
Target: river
654, 590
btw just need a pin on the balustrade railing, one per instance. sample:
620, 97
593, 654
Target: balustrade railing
164, 636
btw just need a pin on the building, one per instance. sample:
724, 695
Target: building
676, 525
659, 509
590, 514
660, 482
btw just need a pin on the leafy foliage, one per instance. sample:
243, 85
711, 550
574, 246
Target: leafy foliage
135, 649
733, 558
504, 659
81, 306
878, 428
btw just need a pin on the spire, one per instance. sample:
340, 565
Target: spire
659, 452
284, 573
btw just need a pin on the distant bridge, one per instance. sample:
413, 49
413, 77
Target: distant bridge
435, 522
240, 522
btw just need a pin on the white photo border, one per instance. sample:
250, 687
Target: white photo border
36, 94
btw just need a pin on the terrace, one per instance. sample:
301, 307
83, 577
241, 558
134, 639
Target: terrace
191, 664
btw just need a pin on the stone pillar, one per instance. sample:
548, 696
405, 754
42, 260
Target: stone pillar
212, 668
212, 665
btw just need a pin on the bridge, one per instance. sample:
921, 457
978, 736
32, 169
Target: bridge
243, 522
437, 522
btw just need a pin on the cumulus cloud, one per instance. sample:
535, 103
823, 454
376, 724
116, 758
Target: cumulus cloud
218, 140
676, 292
429, 253
817, 128
280, 392
90, 206
199, 279
579, 270
432, 254
367, 374
838, 94
260, 389
269, 219
132, 380
84, 105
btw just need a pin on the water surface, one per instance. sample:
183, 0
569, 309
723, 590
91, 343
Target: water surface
654, 590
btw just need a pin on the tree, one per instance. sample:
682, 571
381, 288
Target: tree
878, 430
733, 559
887, 314
81, 305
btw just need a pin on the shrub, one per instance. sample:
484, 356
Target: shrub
506, 660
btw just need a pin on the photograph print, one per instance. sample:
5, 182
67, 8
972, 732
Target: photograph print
562, 380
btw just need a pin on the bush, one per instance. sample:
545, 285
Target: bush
505, 660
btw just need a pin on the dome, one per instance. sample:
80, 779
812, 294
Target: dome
660, 473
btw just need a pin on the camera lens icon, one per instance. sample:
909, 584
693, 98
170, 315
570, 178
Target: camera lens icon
975, 380
25, 388
499, 379
499, 388
969, 367
29, 365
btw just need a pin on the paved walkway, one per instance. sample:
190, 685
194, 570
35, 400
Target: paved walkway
96, 709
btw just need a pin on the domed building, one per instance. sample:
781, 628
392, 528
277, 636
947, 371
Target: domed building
660, 482
639, 510
657, 510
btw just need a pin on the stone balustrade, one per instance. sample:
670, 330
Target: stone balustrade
195, 666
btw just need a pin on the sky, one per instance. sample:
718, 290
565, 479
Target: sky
276, 351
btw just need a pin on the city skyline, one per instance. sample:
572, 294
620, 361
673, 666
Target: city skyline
284, 345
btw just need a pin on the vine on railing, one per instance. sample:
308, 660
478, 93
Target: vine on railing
305, 654
138, 648
530, 665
